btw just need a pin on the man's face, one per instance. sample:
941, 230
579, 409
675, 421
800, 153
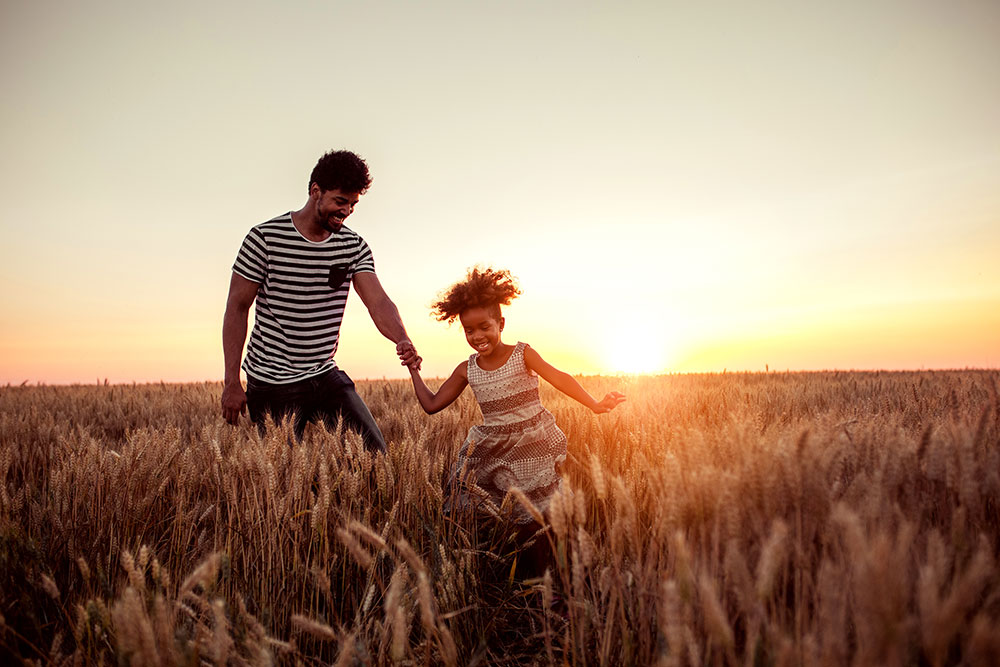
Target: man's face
333, 207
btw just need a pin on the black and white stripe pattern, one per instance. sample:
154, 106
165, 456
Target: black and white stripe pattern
300, 303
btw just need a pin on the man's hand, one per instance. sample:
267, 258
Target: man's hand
609, 402
408, 354
234, 403
242, 293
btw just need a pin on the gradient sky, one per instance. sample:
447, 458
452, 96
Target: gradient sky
678, 186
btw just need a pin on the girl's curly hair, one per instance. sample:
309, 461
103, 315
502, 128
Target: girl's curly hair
482, 288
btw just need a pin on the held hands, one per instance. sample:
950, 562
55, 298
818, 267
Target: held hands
408, 354
609, 402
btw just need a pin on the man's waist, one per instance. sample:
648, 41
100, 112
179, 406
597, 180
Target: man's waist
263, 377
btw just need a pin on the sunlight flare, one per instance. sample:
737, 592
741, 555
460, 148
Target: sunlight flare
633, 347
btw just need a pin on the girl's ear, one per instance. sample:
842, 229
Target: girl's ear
501, 323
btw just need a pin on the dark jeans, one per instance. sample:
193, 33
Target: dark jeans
327, 397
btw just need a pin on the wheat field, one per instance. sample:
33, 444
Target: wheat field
845, 518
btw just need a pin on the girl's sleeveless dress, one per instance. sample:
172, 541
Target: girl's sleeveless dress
518, 443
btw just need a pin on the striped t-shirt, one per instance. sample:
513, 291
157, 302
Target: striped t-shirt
301, 299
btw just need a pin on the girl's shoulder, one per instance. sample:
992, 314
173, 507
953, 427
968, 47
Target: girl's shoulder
461, 373
519, 349
524, 349
519, 359
530, 358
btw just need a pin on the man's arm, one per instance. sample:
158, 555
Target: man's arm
385, 315
242, 292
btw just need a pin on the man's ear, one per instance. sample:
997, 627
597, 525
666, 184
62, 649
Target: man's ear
314, 190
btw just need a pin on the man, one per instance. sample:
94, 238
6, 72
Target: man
300, 267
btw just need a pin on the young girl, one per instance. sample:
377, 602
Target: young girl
519, 443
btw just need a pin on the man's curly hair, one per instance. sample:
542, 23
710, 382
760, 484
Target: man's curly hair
341, 170
482, 288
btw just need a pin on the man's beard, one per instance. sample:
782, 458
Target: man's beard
331, 224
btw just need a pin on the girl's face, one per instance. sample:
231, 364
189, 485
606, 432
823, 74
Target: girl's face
482, 330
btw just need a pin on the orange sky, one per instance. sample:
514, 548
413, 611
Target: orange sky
678, 188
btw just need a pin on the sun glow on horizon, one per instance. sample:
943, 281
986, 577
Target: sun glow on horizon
633, 348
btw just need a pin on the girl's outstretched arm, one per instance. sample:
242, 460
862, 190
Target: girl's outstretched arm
568, 385
446, 394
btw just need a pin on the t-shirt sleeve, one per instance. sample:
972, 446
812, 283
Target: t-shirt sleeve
251, 260
364, 260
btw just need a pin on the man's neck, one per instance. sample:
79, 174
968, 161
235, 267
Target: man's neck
307, 222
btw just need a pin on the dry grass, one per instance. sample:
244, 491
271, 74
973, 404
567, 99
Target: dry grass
821, 518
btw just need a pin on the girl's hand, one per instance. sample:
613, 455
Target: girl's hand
408, 353
609, 402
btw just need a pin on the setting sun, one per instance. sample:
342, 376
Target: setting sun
633, 348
